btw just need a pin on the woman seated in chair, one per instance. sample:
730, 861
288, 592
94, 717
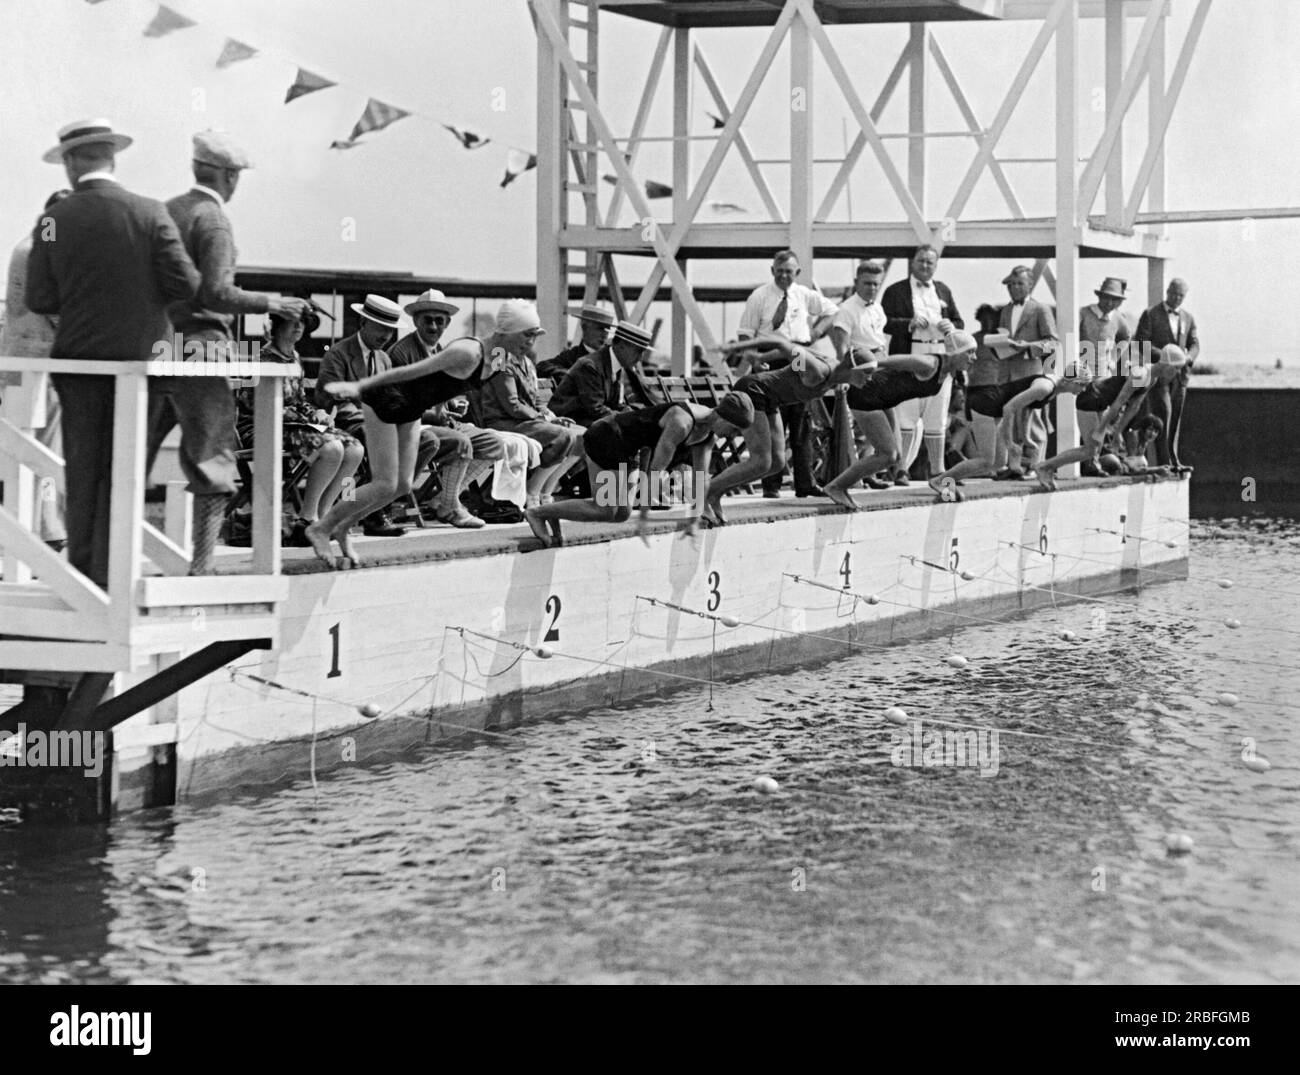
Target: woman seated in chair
308, 432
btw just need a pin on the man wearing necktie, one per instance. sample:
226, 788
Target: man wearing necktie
801, 314
1103, 336
1165, 323
919, 312
1032, 328
594, 388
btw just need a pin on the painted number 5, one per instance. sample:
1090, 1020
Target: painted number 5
954, 557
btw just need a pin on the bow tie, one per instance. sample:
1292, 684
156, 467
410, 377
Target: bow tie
923, 283
1020, 303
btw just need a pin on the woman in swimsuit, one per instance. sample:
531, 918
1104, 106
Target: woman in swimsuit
899, 378
676, 433
807, 377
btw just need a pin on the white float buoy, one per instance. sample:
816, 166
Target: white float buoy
1234, 623
966, 576
1225, 584
544, 652
1257, 764
1069, 636
1171, 544
956, 660
370, 711
872, 599
1227, 698
1178, 843
765, 785
897, 715
728, 621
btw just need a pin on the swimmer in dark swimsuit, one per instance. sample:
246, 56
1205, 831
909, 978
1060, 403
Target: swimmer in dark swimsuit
807, 377
676, 433
899, 378
1119, 398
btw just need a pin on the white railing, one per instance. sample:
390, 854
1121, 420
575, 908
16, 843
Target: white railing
41, 594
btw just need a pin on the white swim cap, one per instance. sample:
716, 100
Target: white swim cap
517, 315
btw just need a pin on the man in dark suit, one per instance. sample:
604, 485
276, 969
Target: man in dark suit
108, 262
1032, 327
595, 323
1165, 323
919, 312
596, 386
353, 358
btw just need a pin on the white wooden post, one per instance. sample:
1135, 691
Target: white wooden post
682, 107
1067, 223
552, 256
125, 541
1114, 78
916, 114
178, 515
268, 412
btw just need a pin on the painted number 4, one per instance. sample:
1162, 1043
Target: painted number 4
846, 569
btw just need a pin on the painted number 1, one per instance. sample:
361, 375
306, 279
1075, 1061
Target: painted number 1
334, 653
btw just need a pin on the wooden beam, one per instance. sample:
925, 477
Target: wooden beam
268, 413
1067, 231
990, 141
683, 107
1155, 144
166, 555
125, 539
1115, 38
66, 581
1202, 216
742, 143
801, 141
916, 150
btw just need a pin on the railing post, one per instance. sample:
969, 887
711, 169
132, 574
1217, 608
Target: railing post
268, 413
125, 540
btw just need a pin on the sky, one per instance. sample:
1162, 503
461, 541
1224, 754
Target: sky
411, 198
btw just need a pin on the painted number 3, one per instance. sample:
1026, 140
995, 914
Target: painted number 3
715, 595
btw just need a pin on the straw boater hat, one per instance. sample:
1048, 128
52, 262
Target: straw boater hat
1114, 287
597, 315
433, 299
216, 149
86, 132
626, 332
380, 310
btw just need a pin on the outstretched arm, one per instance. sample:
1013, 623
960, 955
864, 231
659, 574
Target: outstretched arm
458, 359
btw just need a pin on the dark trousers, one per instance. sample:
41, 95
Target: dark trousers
88, 456
1166, 403
799, 450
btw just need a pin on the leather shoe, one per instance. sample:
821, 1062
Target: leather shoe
812, 490
1090, 469
382, 528
1008, 475
771, 494
902, 479
460, 518
872, 482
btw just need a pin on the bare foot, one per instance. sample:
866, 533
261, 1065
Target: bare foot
713, 512
538, 527
840, 496
344, 538
557, 538
1046, 478
319, 541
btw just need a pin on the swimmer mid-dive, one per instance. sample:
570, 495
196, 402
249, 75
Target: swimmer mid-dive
897, 379
676, 433
807, 377
1118, 399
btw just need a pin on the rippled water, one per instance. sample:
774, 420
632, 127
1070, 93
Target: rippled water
629, 845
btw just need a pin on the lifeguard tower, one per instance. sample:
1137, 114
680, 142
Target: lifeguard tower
1105, 206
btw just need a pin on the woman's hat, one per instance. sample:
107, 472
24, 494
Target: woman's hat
517, 315
433, 299
737, 409
1114, 287
86, 132
380, 310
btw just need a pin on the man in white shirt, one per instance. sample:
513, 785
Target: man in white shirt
859, 326
801, 314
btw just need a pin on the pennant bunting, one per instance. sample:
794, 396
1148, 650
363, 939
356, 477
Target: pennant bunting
306, 83
233, 51
657, 190
718, 123
726, 207
344, 144
166, 21
468, 139
376, 117
517, 163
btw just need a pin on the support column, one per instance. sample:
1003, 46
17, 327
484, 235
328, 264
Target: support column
1156, 189
1067, 227
1115, 193
801, 145
681, 325
552, 274
916, 114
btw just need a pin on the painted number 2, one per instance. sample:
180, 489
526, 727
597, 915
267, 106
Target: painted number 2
553, 631
715, 596
334, 653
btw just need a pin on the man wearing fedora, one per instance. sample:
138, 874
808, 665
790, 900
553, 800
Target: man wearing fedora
204, 407
354, 357
596, 386
1164, 324
1103, 336
107, 262
1032, 329
595, 323
461, 453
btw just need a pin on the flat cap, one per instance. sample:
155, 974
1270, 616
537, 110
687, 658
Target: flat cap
215, 148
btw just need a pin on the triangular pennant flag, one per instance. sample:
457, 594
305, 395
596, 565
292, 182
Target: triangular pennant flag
517, 163
376, 117
718, 122
344, 144
468, 139
166, 21
306, 83
726, 207
233, 51
657, 190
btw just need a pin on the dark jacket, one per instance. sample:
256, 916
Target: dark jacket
108, 262
896, 301
344, 362
589, 390
1154, 328
210, 243
558, 366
